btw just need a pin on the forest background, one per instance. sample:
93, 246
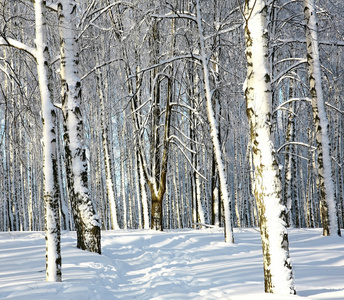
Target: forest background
133, 86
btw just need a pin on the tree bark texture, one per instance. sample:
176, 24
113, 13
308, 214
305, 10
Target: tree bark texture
278, 274
324, 180
86, 220
50, 165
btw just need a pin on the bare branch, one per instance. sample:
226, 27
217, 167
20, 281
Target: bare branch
176, 15
335, 108
188, 160
321, 42
18, 45
280, 75
100, 66
298, 144
181, 143
291, 100
164, 62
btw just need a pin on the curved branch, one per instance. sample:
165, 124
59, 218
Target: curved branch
296, 143
18, 45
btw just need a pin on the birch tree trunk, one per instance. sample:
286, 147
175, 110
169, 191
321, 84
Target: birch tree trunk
200, 209
64, 203
324, 181
86, 220
107, 155
124, 195
144, 198
214, 132
278, 274
50, 166
138, 190
6, 162
288, 169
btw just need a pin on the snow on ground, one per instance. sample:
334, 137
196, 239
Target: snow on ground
174, 264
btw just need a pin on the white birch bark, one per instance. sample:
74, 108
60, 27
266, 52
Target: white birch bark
177, 195
288, 166
123, 189
64, 210
15, 178
86, 220
6, 204
107, 157
216, 208
237, 200
50, 167
214, 131
23, 191
137, 190
144, 198
200, 209
278, 274
131, 199
31, 199
325, 180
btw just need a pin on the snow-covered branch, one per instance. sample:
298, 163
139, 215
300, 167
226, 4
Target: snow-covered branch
164, 62
6, 73
177, 15
138, 108
188, 160
335, 108
223, 31
281, 74
306, 99
100, 66
181, 143
100, 12
186, 137
298, 144
18, 45
321, 42
52, 6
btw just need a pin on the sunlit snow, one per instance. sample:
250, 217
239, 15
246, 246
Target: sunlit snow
178, 264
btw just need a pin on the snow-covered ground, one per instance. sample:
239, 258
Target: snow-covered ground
175, 264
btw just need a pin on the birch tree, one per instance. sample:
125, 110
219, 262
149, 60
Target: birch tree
50, 166
41, 56
325, 183
204, 58
86, 220
278, 274
107, 153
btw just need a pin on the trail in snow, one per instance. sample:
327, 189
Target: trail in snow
176, 264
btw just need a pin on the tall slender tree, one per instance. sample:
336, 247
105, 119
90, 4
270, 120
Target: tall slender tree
86, 220
278, 274
214, 129
50, 166
41, 55
325, 183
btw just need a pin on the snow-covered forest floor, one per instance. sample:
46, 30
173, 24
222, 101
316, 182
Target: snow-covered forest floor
174, 264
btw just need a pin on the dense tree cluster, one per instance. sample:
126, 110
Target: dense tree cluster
152, 114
